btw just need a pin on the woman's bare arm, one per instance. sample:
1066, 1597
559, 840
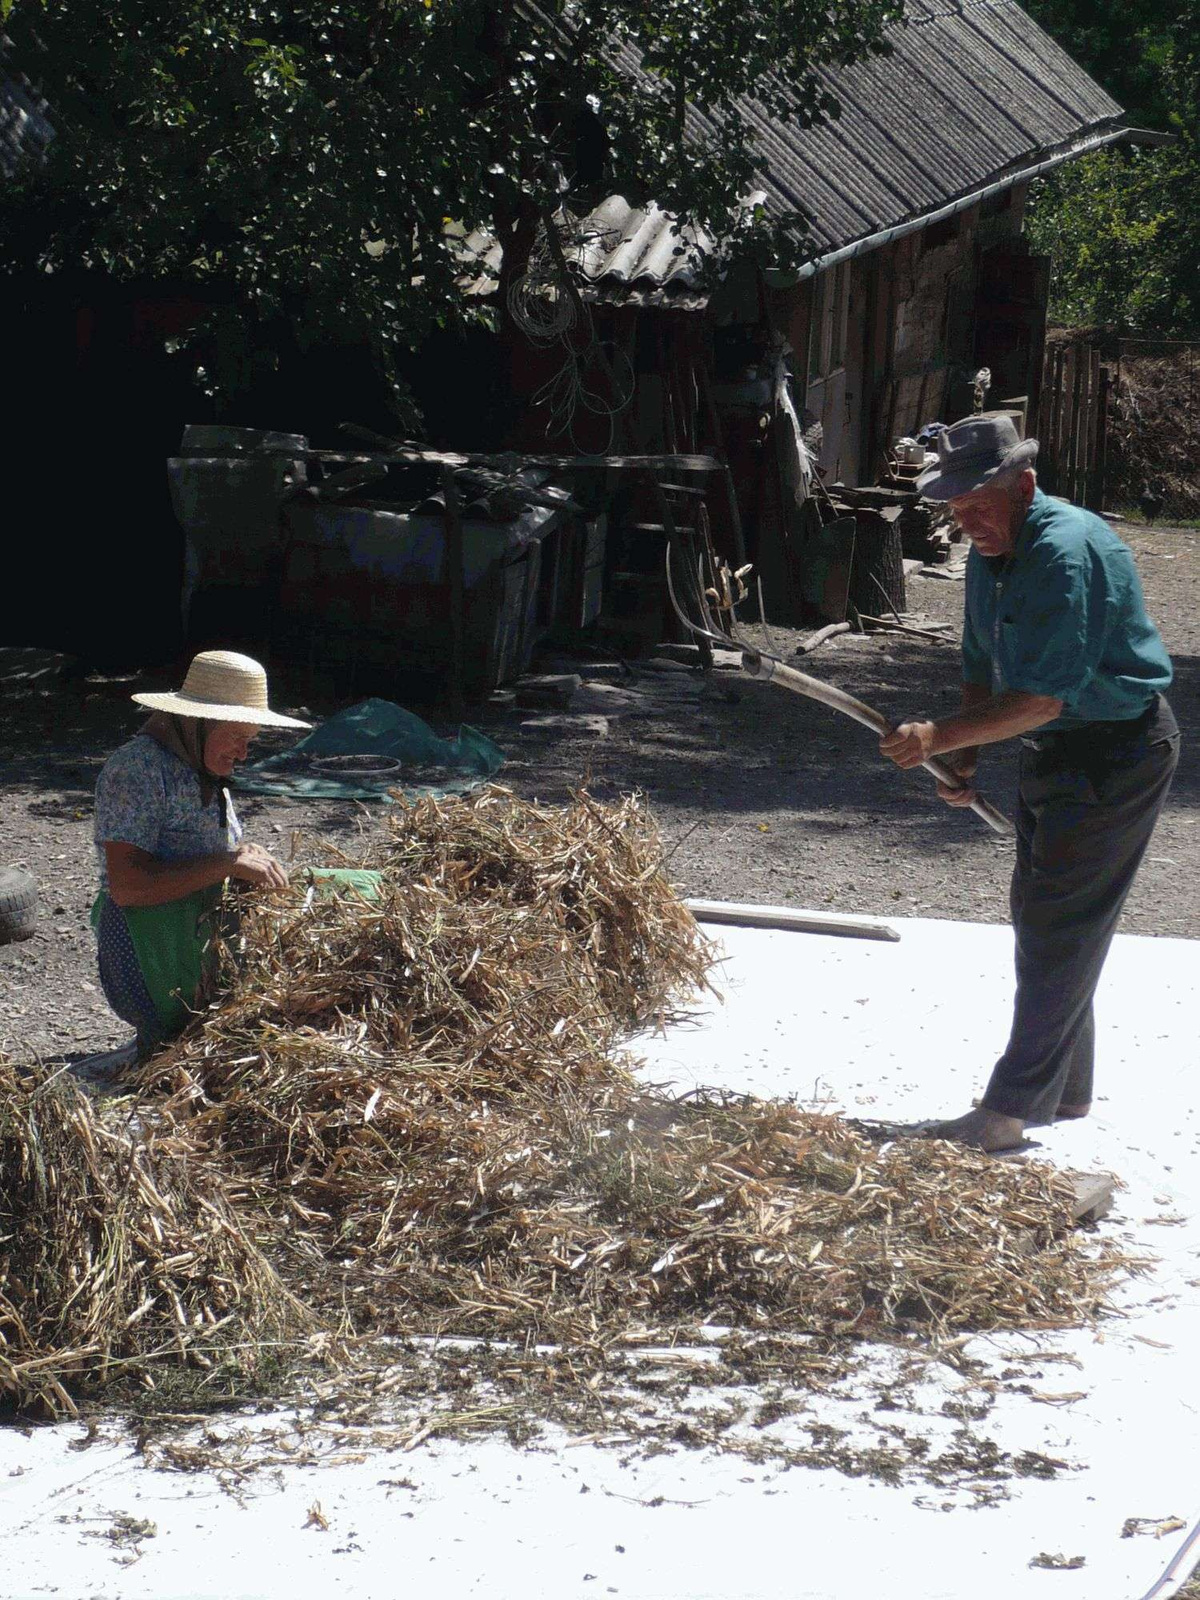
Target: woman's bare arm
136, 878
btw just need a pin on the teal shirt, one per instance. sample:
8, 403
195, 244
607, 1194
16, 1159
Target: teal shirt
1064, 616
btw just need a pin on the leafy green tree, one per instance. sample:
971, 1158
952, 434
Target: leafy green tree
1109, 221
312, 166
1123, 225
1126, 47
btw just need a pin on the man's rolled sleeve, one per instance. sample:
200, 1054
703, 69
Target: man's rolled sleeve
1056, 644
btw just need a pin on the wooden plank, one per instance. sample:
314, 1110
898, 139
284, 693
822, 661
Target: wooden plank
687, 489
511, 463
1088, 451
1077, 414
1084, 433
1045, 432
718, 436
1061, 410
1086, 427
1092, 490
1066, 453
1094, 1193
1101, 473
1093, 415
731, 912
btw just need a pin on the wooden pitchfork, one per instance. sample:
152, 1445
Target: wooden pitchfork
722, 599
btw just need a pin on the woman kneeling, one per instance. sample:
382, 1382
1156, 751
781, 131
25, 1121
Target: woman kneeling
168, 839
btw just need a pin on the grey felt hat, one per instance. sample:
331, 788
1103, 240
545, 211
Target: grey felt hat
971, 453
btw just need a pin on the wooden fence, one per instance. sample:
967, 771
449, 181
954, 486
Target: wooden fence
1072, 424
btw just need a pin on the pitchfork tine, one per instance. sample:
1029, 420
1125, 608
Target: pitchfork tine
689, 623
733, 634
714, 626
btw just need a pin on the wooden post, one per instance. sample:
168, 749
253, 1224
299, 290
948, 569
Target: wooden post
455, 587
1101, 473
1066, 446
718, 438
1046, 420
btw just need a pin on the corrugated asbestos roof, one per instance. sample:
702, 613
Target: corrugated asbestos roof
972, 93
629, 256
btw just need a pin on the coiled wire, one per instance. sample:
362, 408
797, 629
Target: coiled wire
543, 308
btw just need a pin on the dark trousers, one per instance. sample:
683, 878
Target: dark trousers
1088, 802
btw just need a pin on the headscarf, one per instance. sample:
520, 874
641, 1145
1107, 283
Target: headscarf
185, 737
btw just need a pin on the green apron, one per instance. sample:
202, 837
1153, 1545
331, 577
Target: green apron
173, 942
173, 946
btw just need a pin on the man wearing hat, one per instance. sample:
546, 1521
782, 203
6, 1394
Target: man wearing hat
1059, 652
168, 839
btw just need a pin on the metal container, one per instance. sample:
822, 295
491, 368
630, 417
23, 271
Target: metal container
365, 594
227, 486
210, 439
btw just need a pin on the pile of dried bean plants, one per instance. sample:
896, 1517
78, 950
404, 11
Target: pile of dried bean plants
120, 1258
423, 1088
417, 1106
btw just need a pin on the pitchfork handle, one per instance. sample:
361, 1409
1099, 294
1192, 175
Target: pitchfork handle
838, 700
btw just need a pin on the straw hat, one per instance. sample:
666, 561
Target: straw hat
223, 687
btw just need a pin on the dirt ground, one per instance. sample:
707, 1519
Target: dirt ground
761, 796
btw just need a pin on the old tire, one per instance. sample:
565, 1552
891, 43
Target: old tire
18, 905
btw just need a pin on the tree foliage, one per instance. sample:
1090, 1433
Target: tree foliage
1128, 47
311, 165
1123, 225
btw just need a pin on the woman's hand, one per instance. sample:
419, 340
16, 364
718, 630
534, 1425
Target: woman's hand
252, 864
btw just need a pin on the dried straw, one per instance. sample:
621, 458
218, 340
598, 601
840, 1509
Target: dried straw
589, 1223
595, 871
424, 1090
117, 1257
416, 1107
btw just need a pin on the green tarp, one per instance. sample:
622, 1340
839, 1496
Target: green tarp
366, 752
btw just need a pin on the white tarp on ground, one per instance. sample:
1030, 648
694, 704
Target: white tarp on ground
899, 1031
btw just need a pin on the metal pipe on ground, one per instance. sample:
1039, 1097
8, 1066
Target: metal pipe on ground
732, 912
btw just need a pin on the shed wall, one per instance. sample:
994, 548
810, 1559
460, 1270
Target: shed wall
908, 336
